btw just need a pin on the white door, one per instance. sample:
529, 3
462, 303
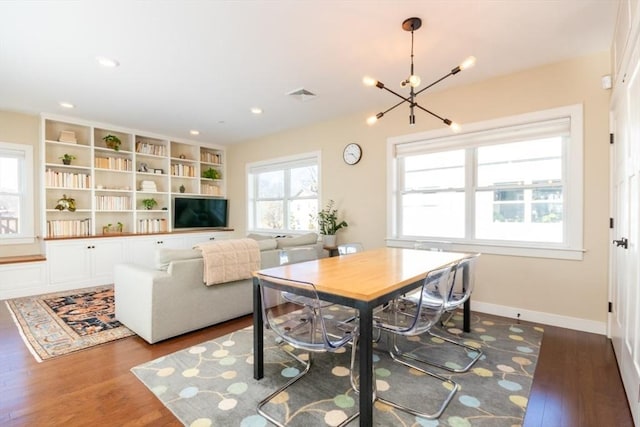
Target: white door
625, 292
106, 253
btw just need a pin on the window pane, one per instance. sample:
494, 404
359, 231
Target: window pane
9, 214
269, 215
271, 185
433, 215
304, 182
521, 162
301, 214
434, 171
9, 176
518, 220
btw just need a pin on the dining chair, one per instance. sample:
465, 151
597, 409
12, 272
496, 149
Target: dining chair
459, 292
310, 329
405, 320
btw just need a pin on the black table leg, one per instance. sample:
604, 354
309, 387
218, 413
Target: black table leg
366, 366
466, 310
258, 332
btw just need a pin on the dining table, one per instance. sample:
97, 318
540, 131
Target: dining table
363, 280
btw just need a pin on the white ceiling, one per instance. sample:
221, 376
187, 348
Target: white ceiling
195, 64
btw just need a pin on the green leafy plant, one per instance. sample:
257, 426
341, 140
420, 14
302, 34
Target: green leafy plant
66, 158
211, 173
328, 220
113, 142
149, 203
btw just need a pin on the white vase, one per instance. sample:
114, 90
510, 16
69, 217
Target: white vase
329, 240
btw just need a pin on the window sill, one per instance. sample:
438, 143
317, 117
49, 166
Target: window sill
17, 241
494, 249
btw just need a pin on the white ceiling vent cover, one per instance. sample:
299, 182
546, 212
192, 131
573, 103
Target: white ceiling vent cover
302, 94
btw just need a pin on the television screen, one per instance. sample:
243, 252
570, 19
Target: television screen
199, 212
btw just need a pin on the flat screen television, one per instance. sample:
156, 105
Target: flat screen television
200, 212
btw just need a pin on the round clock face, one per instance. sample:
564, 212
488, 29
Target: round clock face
352, 154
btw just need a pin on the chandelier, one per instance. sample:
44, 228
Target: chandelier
413, 81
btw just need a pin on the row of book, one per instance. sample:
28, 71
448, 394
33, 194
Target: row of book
183, 170
147, 148
69, 227
66, 179
114, 163
113, 203
208, 157
154, 225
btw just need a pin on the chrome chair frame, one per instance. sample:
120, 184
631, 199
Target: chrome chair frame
465, 268
320, 338
429, 308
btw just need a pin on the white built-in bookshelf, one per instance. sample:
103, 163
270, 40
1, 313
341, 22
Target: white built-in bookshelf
108, 186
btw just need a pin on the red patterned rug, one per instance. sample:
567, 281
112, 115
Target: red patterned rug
61, 323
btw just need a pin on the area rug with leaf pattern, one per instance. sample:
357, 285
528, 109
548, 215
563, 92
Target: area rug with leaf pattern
60, 323
212, 384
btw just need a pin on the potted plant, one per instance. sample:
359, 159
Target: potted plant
113, 142
211, 173
66, 158
329, 225
149, 203
111, 229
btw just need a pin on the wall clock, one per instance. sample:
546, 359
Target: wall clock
352, 154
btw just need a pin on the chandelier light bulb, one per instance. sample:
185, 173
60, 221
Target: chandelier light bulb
369, 81
455, 127
414, 81
468, 63
372, 120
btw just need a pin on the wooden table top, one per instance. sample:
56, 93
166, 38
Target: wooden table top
366, 275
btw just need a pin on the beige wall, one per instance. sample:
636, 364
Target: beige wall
567, 288
23, 129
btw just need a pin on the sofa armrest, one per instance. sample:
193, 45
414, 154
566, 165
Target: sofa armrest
133, 290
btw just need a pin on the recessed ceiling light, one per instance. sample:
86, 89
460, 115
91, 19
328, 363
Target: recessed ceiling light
194, 132
66, 105
256, 110
107, 62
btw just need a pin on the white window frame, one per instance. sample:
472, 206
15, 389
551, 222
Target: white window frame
27, 234
276, 164
572, 246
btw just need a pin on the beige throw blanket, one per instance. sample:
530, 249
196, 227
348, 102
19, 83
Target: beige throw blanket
229, 260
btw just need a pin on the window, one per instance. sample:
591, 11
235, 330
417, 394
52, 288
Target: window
16, 194
283, 194
510, 186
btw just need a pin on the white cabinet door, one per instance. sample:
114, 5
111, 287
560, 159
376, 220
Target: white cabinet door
143, 249
83, 262
69, 262
106, 253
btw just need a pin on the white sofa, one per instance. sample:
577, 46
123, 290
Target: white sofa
172, 299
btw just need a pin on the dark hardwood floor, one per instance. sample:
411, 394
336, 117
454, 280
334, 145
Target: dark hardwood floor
576, 384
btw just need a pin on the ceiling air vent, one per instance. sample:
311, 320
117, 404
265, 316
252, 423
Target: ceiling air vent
302, 95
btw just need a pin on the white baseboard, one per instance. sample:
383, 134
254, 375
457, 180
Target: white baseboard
552, 319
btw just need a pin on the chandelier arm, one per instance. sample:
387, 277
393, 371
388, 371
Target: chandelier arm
398, 95
432, 113
434, 83
391, 108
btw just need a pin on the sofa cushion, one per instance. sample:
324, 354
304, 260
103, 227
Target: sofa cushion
267, 244
256, 236
303, 239
164, 256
